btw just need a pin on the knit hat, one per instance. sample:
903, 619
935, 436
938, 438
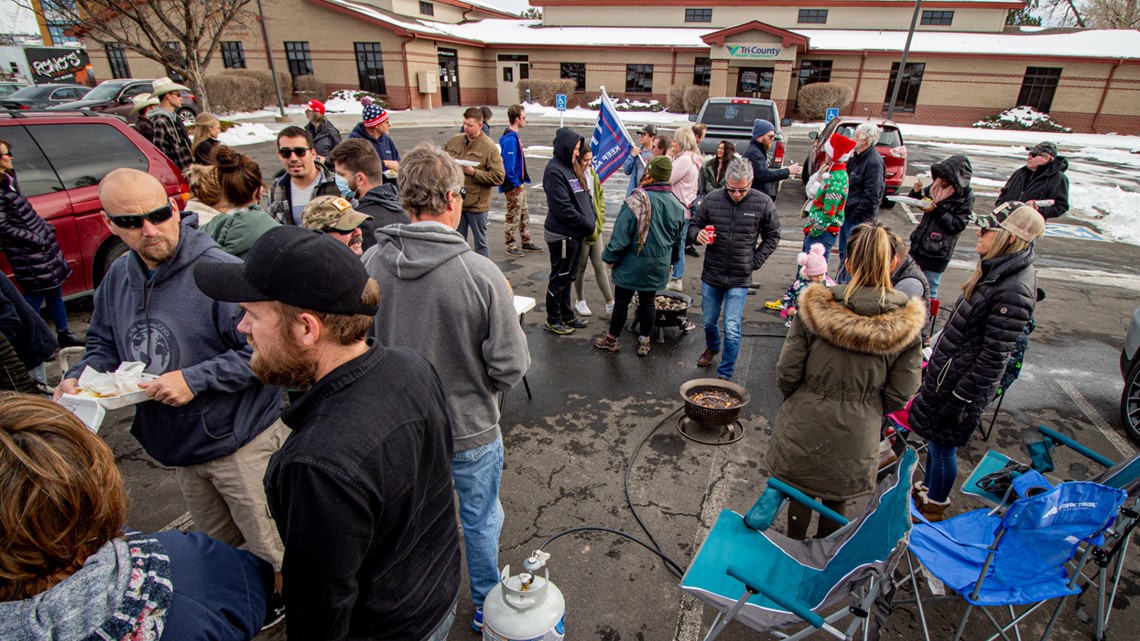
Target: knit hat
839, 147
660, 168
761, 127
315, 105
374, 115
1017, 218
814, 262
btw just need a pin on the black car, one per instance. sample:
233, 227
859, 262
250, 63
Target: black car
43, 96
114, 97
1130, 369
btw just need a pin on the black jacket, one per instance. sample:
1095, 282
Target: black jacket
865, 186
383, 204
362, 496
325, 137
764, 178
970, 356
1044, 183
907, 268
204, 153
932, 242
570, 209
732, 257
29, 241
23, 326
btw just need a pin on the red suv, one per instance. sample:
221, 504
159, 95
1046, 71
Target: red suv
59, 158
890, 147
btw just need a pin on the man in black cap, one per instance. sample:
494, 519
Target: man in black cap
1041, 183
361, 489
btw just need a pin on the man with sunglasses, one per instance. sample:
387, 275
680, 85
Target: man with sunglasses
302, 178
207, 415
334, 216
1041, 183
739, 216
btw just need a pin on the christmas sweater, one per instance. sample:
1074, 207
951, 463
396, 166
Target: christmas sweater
826, 211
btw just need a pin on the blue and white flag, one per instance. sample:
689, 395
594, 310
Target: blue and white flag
611, 143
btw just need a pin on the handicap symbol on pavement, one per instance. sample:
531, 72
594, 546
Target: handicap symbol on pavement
1058, 230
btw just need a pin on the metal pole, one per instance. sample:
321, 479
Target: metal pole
272, 67
902, 65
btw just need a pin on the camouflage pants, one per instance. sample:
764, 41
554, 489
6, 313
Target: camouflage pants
518, 217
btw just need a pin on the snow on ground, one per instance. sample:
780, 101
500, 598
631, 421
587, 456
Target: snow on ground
581, 114
1113, 211
265, 112
247, 133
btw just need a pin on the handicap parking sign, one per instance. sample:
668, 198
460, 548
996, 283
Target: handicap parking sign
560, 102
1058, 230
831, 114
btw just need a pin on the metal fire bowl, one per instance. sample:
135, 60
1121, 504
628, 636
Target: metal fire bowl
713, 417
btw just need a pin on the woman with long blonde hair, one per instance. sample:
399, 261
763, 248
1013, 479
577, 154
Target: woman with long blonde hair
852, 355
207, 128
686, 180
970, 356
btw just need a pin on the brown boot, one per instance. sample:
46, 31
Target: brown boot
607, 342
706, 359
933, 511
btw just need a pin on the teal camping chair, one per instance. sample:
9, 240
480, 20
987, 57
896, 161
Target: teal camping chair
767, 581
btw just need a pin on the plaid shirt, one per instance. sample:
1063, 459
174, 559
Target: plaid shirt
171, 138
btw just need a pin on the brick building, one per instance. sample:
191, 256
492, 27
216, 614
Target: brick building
964, 62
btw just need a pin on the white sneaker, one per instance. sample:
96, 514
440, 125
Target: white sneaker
675, 285
609, 308
583, 310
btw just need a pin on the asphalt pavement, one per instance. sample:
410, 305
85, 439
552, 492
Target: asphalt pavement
570, 449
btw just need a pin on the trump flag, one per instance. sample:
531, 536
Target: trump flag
611, 143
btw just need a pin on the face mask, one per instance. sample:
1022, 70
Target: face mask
342, 185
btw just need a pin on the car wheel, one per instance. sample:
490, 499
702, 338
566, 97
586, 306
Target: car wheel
111, 250
1130, 404
187, 116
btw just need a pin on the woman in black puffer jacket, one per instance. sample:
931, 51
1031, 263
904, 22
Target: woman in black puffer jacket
29, 243
932, 242
970, 356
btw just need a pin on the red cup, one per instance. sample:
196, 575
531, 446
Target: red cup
710, 231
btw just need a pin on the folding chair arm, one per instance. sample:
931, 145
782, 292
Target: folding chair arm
806, 500
756, 587
1061, 439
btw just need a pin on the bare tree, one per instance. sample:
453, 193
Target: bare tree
181, 35
1113, 14
1065, 11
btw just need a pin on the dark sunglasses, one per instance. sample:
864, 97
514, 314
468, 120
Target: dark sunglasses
135, 221
285, 152
6, 153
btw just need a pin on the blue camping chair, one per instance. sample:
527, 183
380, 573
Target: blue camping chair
767, 581
1017, 558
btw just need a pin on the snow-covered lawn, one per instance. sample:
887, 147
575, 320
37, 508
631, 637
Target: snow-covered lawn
247, 133
582, 114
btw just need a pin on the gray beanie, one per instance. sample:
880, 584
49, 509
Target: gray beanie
761, 127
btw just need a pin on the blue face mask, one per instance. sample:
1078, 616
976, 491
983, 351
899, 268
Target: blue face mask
342, 185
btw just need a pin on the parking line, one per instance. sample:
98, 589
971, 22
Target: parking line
909, 213
1119, 443
181, 523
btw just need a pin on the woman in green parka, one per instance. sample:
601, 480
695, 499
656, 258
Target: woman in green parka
592, 245
645, 243
852, 355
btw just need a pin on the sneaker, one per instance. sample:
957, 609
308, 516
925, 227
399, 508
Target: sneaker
583, 309
531, 247
275, 612
642, 345
675, 285
609, 308
477, 620
576, 323
607, 342
688, 326
514, 251
558, 328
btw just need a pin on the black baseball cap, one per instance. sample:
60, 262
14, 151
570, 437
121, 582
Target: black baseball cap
293, 265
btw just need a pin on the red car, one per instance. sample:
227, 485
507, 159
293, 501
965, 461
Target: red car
890, 147
59, 158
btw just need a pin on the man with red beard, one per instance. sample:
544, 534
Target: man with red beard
361, 490
208, 416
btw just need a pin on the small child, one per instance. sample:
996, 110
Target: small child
813, 269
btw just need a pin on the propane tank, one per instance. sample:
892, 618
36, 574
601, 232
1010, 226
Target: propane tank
525, 607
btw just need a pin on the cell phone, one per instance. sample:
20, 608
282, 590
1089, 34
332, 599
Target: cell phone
935, 235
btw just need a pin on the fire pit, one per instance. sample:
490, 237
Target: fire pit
713, 402
672, 311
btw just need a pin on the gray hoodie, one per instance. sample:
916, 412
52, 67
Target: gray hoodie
455, 308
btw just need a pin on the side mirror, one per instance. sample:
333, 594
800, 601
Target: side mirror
813, 134
693, 117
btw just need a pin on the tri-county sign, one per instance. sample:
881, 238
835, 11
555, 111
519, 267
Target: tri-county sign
752, 52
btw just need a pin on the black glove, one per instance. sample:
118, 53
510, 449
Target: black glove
952, 411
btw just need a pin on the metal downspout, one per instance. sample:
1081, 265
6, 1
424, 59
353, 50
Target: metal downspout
1104, 94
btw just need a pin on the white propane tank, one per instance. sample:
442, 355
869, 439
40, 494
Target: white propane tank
524, 607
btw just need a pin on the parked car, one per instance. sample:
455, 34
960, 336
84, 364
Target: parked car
59, 158
43, 96
114, 97
731, 119
890, 147
8, 87
1130, 370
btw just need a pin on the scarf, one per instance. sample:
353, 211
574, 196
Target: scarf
141, 615
638, 202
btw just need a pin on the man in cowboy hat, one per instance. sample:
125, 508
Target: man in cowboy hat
142, 105
170, 135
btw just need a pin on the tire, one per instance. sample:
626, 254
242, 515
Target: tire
112, 249
186, 115
1130, 404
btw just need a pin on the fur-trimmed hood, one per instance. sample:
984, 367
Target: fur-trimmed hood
864, 324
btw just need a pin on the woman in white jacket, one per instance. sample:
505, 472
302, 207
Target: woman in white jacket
687, 161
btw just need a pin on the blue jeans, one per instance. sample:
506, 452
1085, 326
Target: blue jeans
477, 223
933, 278
477, 473
941, 470
679, 266
444, 627
54, 299
841, 275
826, 239
732, 298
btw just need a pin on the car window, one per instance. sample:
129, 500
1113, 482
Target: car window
134, 90
890, 138
33, 171
31, 92
67, 93
105, 91
83, 154
727, 114
6, 89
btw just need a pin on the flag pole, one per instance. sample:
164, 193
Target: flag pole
624, 131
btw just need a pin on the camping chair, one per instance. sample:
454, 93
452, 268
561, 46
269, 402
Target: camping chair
767, 581
1017, 558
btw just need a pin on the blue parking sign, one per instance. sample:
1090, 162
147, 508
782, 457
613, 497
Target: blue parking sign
831, 114
560, 101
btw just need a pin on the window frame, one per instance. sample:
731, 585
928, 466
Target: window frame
117, 60
699, 14
579, 74
369, 49
233, 54
907, 87
641, 75
1038, 80
172, 52
294, 48
812, 16
814, 71
427, 8
937, 18
702, 72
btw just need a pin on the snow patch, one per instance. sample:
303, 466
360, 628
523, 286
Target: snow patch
247, 133
582, 114
1025, 118
1114, 211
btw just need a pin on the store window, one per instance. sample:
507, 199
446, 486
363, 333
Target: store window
370, 67
574, 71
639, 78
233, 54
702, 72
300, 59
698, 15
117, 57
908, 88
939, 18
813, 71
813, 16
1038, 88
